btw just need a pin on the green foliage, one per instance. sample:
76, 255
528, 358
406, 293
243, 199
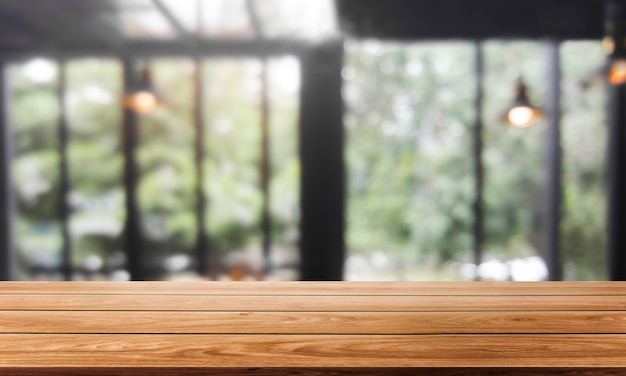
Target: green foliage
402, 132
409, 120
583, 231
167, 177
35, 168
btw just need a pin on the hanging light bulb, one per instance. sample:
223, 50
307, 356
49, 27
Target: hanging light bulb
521, 113
617, 72
141, 101
520, 116
614, 44
142, 96
615, 69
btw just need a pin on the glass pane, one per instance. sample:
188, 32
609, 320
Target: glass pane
232, 166
583, 230
95, 165
226, 19
513, 163
409, 113
166, 190
185, 11
284, 84
297, 18
140, 19
35, 169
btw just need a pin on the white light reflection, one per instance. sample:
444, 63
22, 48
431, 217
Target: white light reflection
39, 71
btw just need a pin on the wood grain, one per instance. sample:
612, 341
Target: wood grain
317, 288
135, 350
313, 328
314, 371
72, 322
311, 303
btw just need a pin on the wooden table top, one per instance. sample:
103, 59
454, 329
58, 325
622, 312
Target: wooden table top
263, 328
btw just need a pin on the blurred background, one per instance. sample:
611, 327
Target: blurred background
311, 139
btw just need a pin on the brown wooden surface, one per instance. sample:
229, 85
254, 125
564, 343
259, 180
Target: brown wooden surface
311, 371
328, 303
311, 328
316, 288
268, 350
140, 322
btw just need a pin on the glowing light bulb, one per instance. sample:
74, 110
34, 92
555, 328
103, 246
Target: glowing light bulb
608, 44
617, 72
521, 116
142, 101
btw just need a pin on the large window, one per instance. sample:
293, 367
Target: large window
410, 119
166, 193
410, 181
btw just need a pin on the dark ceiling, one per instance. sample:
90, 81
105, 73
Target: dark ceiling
32, 24
472, 19
95, 27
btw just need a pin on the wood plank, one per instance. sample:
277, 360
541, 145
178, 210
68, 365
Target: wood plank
313, 371
317, 288
132, 350
313, 328
70, 322
310, 303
